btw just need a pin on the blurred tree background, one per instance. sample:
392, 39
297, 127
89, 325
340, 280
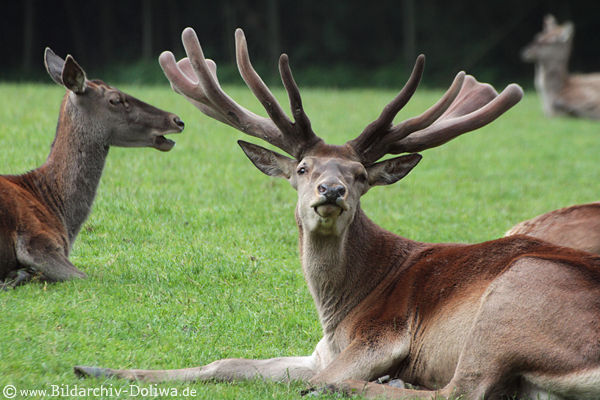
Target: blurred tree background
341, 43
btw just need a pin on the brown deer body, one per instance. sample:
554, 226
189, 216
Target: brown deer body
576, 226
41, 212
473, 320
576, 95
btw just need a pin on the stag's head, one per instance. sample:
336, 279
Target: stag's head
553, 43
331, 179
125, 120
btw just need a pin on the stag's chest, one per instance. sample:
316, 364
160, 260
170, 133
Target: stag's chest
325, 275
436, 347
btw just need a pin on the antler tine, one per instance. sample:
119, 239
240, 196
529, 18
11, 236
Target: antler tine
300, 117
181, 75
430, 115
467, 105
381, 147
375, 129
196, 79
256, 84
234, 114
298, 135
477, 105
193, 78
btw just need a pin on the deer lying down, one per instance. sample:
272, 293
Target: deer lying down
42, 211
514, 316
577, 226
561, 92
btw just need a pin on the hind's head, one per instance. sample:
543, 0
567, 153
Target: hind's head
552, 43
125, 120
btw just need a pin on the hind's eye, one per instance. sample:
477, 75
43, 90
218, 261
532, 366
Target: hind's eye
301, 171
115, 101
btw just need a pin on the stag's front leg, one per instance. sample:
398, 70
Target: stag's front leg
362, 361
230, 369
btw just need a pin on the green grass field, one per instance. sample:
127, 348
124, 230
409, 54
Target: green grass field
192, 255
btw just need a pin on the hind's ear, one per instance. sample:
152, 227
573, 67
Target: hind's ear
54, 65
73, 76
568, 29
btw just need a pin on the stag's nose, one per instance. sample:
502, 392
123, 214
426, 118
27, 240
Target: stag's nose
331, 192
177, 121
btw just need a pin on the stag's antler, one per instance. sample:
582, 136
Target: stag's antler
195, 77
466, 106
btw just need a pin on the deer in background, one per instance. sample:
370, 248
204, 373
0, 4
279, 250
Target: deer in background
577, 226
514, 316
561, 92
42, 211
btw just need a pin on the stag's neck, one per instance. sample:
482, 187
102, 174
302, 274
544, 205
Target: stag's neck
550, 78
342, 270
70, 176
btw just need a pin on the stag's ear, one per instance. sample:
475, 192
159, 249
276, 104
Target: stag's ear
269, 162
54, 65
73, 76
392, 170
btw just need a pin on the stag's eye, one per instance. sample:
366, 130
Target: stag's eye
301, 170
115, 100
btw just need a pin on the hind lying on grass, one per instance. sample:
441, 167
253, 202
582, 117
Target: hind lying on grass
514, 316
42, 211
561, 92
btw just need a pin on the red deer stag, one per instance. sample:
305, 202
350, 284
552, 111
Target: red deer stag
577, 226
514, 316
42, 211
560, 92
